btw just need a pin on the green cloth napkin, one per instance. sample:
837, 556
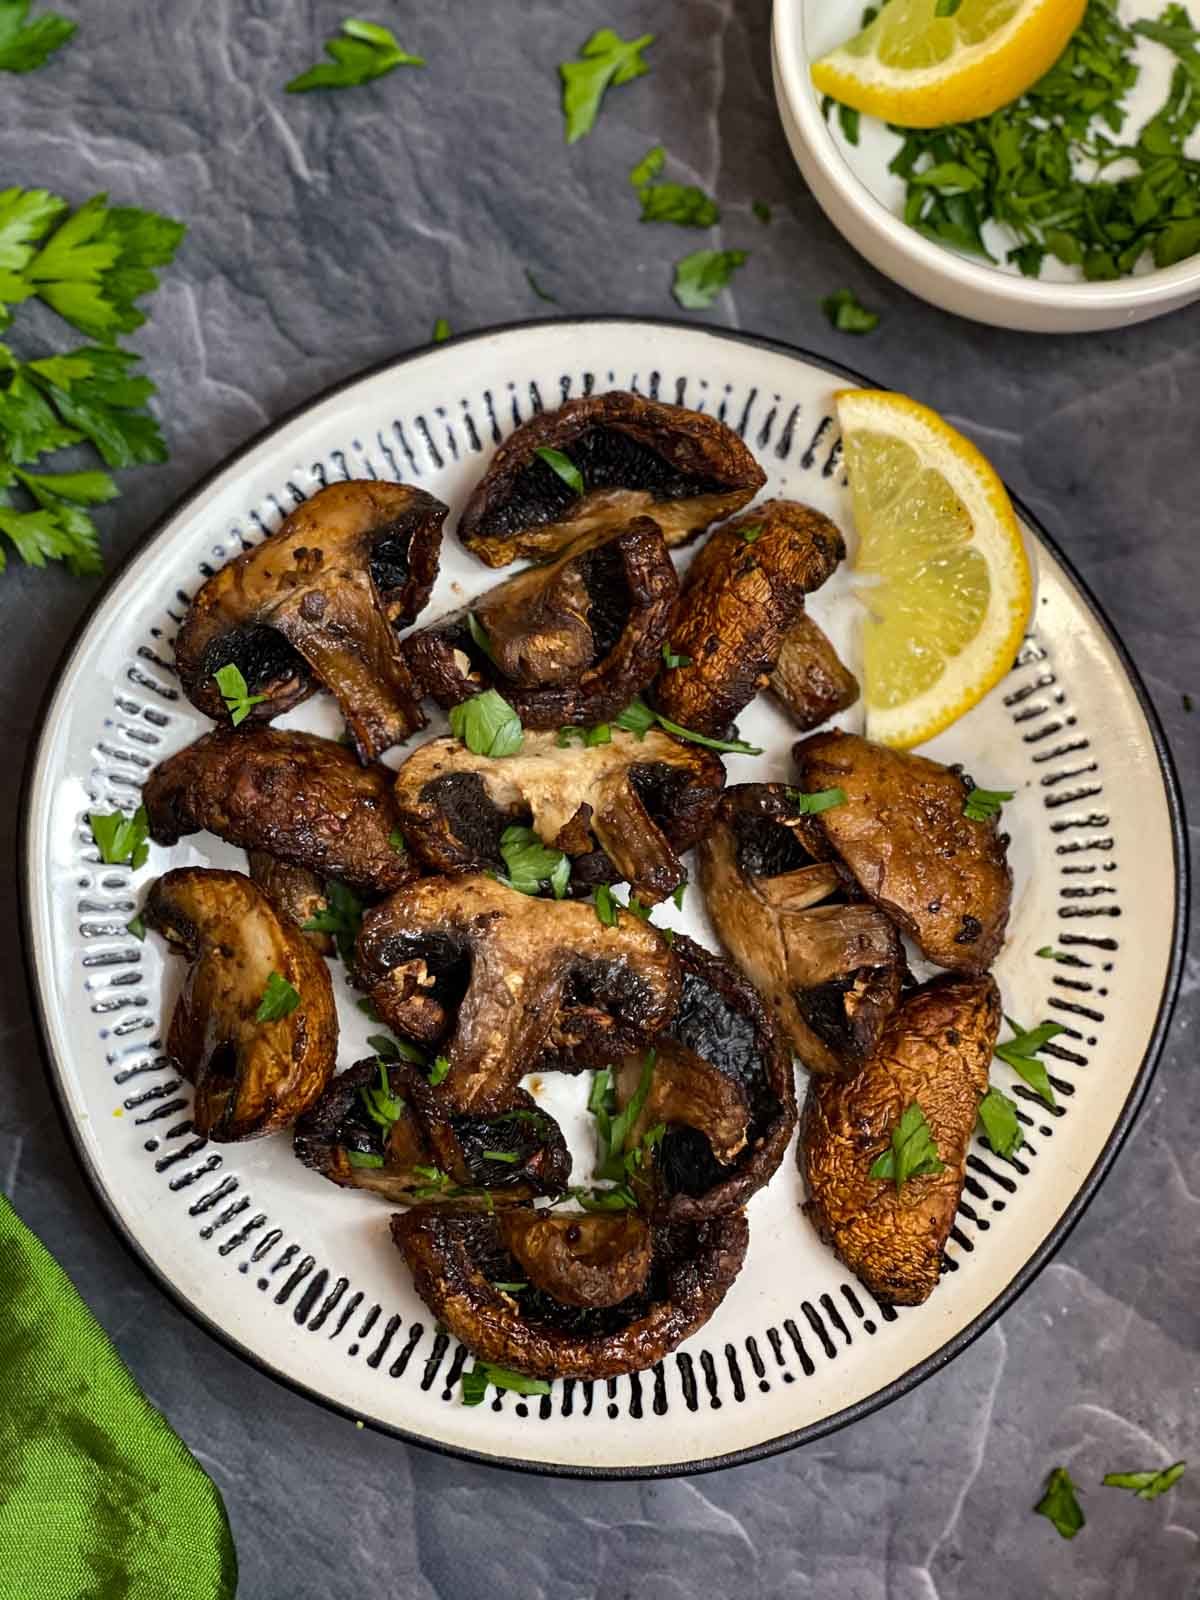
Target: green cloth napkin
99, 1498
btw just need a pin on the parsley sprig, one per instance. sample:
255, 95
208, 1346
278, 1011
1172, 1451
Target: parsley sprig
474, 1384
913, 1153
1059, 1504
606, 61
1146, 1485
25, 45
279, 999
638, 718
364, 51
531, 863
121, 840
487, 725
1021, 1054
341, 916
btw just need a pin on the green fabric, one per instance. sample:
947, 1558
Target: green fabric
99, 1498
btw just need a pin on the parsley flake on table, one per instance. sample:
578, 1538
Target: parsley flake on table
279, 999
998, 1115
649, 167
700, 277
542, 294
811, 805
342, 917
913, 1153
1020, 1053
441, 331
363, 52
531, 863
562, 465
681, 203
487, 725
847, 316
606, 60
235, 692
24, 46
121, 840
1059, 1504
136, 926
983, 805
474, 1383
1146, 1485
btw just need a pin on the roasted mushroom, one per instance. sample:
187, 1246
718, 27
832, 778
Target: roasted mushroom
302, 799
256, 1065
510, 970
721, 1085
641, 802
458, 1257
572, 642
829, 972
809, 676
633, 457
318, 603
935, 1052
380, 1126
580, 1259
744, 591
295, 891
903, 834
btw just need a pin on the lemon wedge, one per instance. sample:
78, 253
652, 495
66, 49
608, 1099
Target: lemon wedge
941, 568
920, 70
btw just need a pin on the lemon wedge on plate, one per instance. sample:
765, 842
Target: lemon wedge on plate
916, 68
941, 567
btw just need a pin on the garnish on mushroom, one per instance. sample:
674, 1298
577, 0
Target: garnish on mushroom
568, 643
510, 969
744, 593
935, 1053
809, 676
300, 798
597, 463
318, 603
254, 1028
830, 973
902, 833
639, 801
459, 1261
295, 891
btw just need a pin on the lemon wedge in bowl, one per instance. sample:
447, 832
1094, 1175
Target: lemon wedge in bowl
913, 67
941, 567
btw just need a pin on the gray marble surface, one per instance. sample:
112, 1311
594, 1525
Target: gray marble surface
330, 231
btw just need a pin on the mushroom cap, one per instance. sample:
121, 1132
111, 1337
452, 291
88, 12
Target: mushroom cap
744, 591
902, 834
936, 1051
318, 602
635, 456
580, 1259
302, 799
250, 1077
571, 643
458, 1256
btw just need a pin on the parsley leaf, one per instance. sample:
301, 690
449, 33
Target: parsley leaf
607, 906
278, 1000
751, 531
811, 805
1020, 1052
364, 1158
389, 1049
983, 805
620, 1198
366, 51
680, 203
92, 391
679, 893
913, 1153
847, 316
487, 725
670, 659
1049, 953
700, 277
606, 59
439, 1069
25, 46
136, 926
531, 863
396, 842
474, 1384
509, 1157
648, 168
121, 840
563, 465
381, 1105
998, 1114
236, 693
441, 331
342, 917
1146, 1485
613, 1127
637, 718
479, 634
1060, 1505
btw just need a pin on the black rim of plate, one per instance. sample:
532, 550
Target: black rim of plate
946, 1352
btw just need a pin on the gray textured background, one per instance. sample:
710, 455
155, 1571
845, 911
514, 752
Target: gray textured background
328, 231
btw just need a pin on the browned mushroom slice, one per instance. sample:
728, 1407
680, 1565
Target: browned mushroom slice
458, 1258
744, 592
251, 1076
725, 1094
569, 643
295, 891
302, 799
634, 457
903, 835
829, 973
935, 1052
580, 1260
641, 801
317, 603
379, 1126
504, 965
809, 677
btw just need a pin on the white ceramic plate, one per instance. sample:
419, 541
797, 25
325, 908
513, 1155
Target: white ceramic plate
299, 1276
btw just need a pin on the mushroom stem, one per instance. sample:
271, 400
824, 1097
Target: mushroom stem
635, 843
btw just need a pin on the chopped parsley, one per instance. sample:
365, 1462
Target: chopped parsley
983, 805
236, 693
441, 331
811, 805
509, 1157
473, 1384
913, 1153
1146, 1485
751, 531
542, 294
396, 842
531, 863
1049, 953
847, 315
364, 1158
613, 1127
563, 465
649, 167
1020, 1052
509, 1288
363, 52
998, 1115
342, 917
681, 203
487, 725
389, 1049
279, 1000
25, 46
606, 904
619, 1198
670, 659
606, 60
637, 718
439, 1069
1059, 1504
479, 635
700, 277
679, 893
136, 926
121, 840
587, 737
382, 1106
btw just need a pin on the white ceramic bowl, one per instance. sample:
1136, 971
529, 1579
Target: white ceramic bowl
852, 186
